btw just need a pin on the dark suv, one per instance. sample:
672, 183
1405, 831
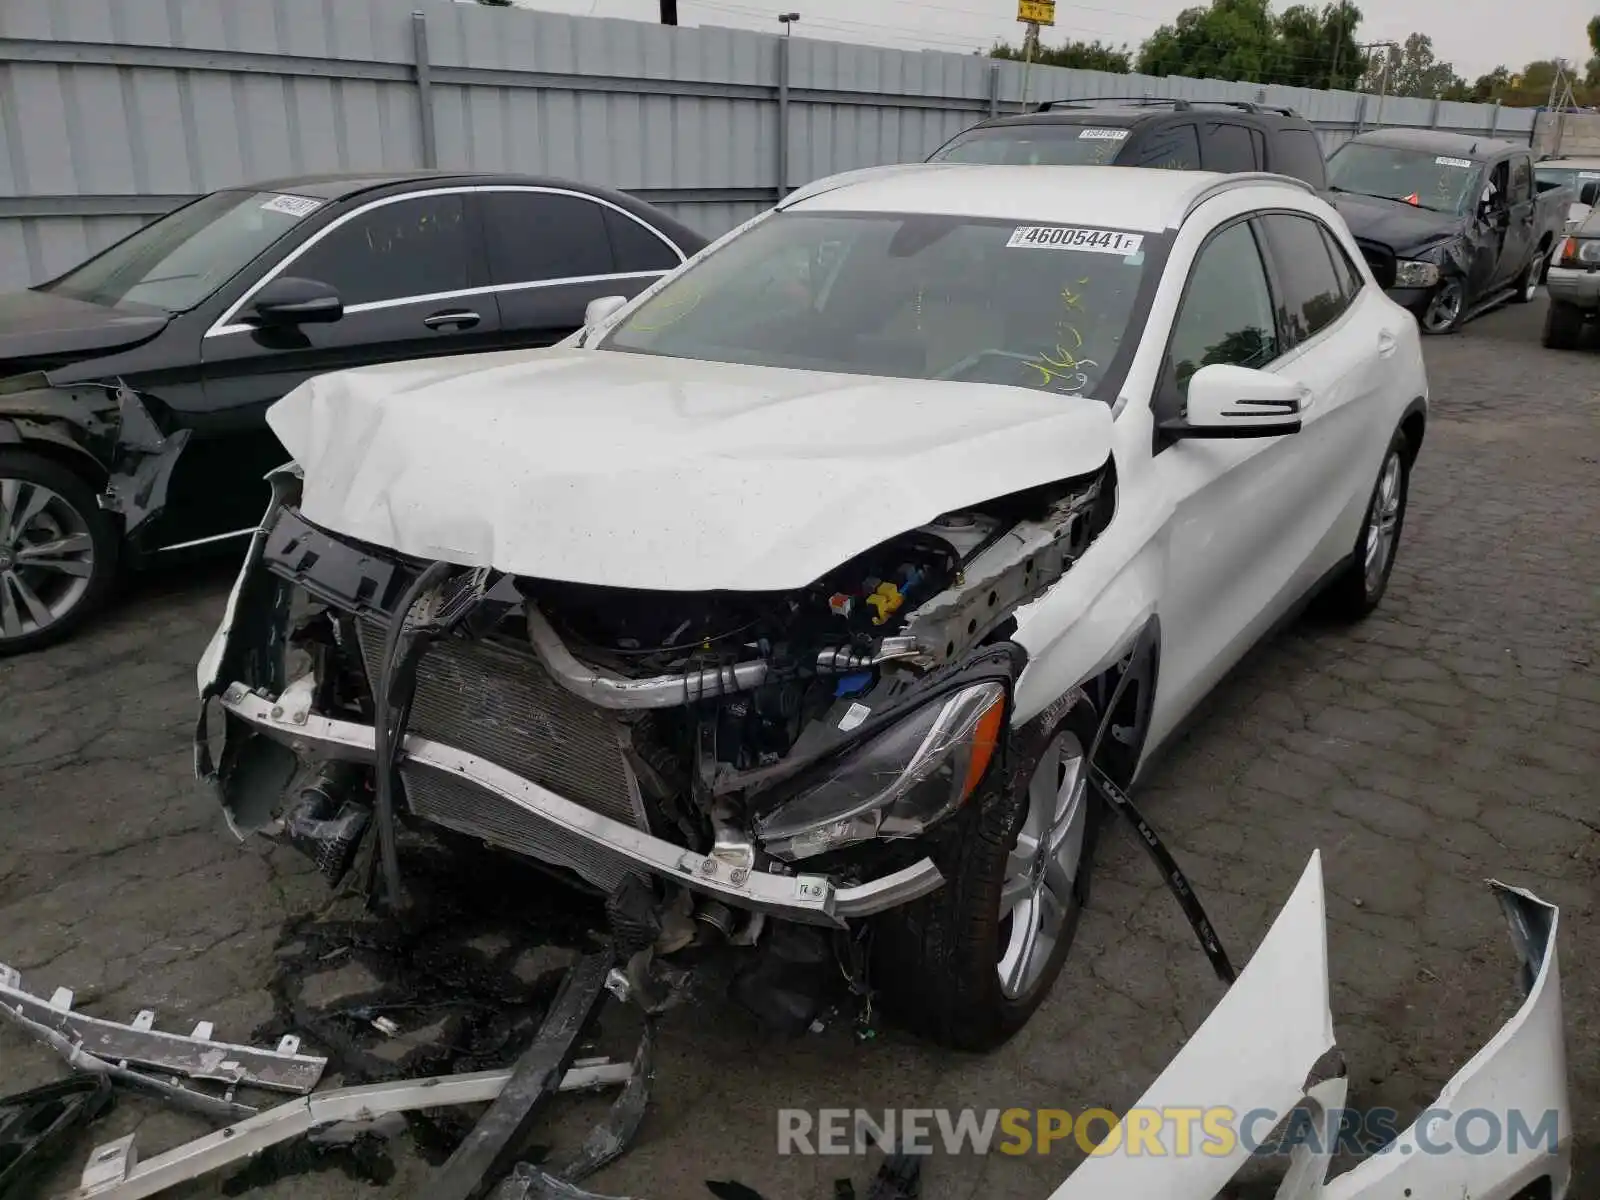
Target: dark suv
1185, 135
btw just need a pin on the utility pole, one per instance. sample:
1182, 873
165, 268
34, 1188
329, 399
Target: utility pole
1383, 78
669, 12
1030, 42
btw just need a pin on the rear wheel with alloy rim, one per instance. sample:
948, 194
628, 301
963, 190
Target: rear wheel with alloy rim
968, 965
1528, 282
58, 551
1359, 588
1446, 307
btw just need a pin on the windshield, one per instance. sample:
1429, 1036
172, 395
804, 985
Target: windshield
1441, 182
1572, 177
1044, 145
176, 262
909, 296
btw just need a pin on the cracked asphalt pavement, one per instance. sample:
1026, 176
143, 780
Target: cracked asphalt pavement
1452, 737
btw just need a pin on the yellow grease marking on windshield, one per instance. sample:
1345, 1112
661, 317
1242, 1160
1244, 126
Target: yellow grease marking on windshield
675, 311
1066, 366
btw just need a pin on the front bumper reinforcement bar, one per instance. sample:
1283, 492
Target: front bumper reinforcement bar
195, 1056
809, 899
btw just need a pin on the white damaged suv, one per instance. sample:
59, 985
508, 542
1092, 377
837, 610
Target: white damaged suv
798, 592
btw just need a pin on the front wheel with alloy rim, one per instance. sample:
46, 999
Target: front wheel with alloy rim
58, 551
1527, 284
968, 965
1446, 307
1356, 591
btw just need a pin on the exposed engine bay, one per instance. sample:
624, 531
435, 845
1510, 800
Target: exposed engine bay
781, 750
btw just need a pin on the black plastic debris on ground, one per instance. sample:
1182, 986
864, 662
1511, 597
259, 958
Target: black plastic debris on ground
459, 981
899, 1178
39, 1125
363, 1158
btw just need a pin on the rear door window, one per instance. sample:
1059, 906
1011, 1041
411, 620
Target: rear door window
1312, 293
1228, 148
1343, 264
1172, 148
1298, 152
635, 247
536, 237
1521, 179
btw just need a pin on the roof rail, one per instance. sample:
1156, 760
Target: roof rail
1177, 103
1243, 179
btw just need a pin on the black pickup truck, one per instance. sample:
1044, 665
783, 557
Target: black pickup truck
1451, 224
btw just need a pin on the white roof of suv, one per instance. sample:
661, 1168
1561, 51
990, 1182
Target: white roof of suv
1124, 197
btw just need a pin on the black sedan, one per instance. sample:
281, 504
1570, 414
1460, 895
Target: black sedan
133, 389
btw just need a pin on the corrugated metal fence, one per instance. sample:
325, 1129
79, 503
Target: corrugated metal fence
114, 111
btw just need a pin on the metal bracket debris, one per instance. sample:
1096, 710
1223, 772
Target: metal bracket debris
490, 1150
114, 1171
195, 1056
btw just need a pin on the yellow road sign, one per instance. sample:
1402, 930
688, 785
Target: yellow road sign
1037, 12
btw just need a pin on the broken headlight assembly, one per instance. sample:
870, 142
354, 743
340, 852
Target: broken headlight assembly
897, 784
1413, 273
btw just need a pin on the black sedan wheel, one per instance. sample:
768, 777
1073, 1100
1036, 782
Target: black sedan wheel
58, 551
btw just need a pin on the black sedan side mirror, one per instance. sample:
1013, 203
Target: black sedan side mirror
1589, 194
288, 300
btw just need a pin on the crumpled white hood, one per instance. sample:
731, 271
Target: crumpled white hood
633, 470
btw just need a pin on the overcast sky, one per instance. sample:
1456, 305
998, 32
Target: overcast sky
1475, 35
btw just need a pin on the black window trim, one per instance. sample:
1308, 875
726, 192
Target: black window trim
1275, 282
1166, 386
222, 326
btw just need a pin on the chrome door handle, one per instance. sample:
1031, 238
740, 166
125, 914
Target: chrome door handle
461, 317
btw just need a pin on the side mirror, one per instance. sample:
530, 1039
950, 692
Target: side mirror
600, 309
1238, 402
1589, 193
288, 300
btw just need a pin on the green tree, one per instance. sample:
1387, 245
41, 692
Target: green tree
1318, 48
1592, 76
1082, 56
1242, 40
1490, 87
1413, 70
1232, 39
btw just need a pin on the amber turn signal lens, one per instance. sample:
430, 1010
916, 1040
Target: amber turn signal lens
985, 739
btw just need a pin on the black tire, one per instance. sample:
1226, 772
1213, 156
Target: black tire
1354, 593
935, 962
1450, 296
1563, 326
1527, 283
72, 511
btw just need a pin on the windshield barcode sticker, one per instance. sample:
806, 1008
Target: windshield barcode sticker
1464, 163
1058, 237
1589, 174
1102, 135
293, 206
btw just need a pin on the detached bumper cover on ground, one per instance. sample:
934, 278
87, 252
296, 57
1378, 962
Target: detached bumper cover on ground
1269, 1045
